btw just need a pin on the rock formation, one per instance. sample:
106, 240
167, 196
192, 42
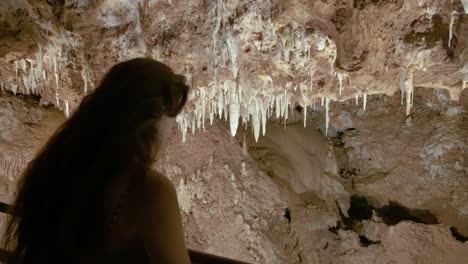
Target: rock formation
317, 131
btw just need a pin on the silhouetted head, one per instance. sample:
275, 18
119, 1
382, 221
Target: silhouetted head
114, 131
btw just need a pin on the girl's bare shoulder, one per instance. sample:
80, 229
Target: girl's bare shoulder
157, 184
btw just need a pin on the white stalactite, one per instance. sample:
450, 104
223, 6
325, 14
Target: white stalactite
403, 75
305, 115
67, 109
452, 21
341, 77
327, 118
234, 111
233, 53
409, 90
211, 115
364, 102
263, 116
56, 74
256, 120
220, 104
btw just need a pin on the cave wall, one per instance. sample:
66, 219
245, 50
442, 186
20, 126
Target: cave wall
381, 88
246, 58
229, 206
410, 171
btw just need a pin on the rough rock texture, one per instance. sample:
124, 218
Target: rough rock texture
245, 57
381, 85
24, 127
230, 207
302, 157
413, 243
404, 243
419, 162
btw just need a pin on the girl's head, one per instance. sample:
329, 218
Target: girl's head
132, 98
114, 131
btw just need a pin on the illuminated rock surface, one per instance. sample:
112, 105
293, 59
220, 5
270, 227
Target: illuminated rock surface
296, 107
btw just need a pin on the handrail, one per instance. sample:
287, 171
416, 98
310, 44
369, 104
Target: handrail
196, 257
5, 208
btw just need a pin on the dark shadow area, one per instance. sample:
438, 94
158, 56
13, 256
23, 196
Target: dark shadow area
364, 242
32, 97
393, 213
334, 229
457, 235
360, 208
299, 109
287, 214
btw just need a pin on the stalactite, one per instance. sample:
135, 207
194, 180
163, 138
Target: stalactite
305, 116
452, 21
234, 111
67, 109
341, 77
364, 102
327, 118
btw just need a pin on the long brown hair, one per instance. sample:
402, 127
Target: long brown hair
112, 131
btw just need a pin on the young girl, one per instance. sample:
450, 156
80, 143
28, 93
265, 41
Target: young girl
91, 195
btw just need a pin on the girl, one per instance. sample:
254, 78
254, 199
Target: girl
91, 195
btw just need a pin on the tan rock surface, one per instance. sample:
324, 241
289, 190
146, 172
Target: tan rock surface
404, 62
413, 243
